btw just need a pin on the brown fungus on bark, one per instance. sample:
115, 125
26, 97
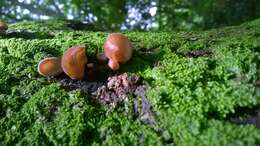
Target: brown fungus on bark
117, 89
120, 88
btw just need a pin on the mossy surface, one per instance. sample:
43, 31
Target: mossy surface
192, 96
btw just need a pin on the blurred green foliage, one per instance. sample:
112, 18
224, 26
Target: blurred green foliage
136, 14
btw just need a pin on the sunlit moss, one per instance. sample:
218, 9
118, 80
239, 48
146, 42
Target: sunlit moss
184, 91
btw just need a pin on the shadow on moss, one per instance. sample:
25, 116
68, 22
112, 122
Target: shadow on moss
143, 59
26, 35
241, 116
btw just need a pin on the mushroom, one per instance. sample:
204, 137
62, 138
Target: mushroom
118, 49
3, 27
50, 66
73, 62
102, 59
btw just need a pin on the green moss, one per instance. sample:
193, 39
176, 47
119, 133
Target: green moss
192, 96
43, 26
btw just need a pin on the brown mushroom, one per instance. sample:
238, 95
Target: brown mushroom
50, 66
3, 27
90, 65
102, 59
118, 50
73, 62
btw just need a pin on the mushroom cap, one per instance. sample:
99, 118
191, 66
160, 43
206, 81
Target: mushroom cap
3, 26
73, 62
118, 48
50, 66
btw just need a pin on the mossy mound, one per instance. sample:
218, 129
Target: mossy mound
193, 96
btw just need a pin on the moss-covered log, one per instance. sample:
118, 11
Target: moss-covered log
199, 85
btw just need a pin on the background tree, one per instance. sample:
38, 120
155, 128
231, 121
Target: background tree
162, 15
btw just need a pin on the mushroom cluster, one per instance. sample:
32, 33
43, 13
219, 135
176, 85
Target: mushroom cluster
117, 50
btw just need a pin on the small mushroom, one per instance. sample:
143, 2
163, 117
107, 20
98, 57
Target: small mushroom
102, 59
74, 61
3, 27
90, 65
118, 49
50, 66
